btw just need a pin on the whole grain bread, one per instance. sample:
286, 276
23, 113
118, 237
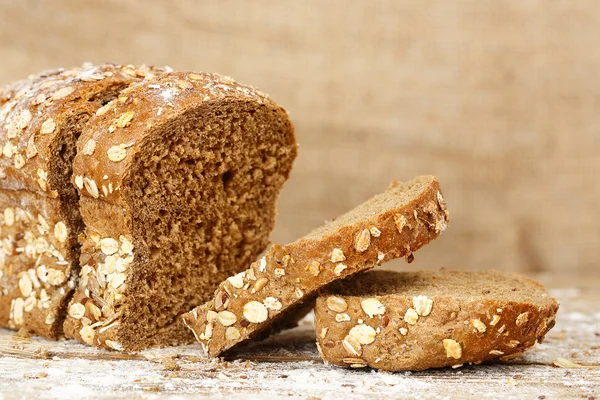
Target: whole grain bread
270, 293
178, 179
417, 320
40, 120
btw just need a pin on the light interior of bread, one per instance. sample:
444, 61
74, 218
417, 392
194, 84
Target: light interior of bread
396, 196
202, 194
461, 285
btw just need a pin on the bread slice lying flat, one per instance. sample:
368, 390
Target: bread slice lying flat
178, 179
413, 321
40, 120
392, 224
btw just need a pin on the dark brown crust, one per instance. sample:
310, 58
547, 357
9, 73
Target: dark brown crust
134, 120
467, 320
301, 280
38, 116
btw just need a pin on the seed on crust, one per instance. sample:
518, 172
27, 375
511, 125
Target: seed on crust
339, 268
56, 277
352, 345
126, 245
324, 332
372, 307
336, 304
411, 316
29, 304
337, 255
375, 232
365, 334
31, 150
124, 119
116, 280
272, 303
226, 318
114, 345
278, 272
255, 312
237, 281
87, 334
260, 284
522, 319
232, 333
453, 349
183, 84
403, 331
19, 161
48, 127
480, 326
9, 216
25, 285
91, 187
102, 110
314, 268
50, 318
23, 119
211, 316
362, 240
60, 231
117, 153
400, 221
77, 310
109, 246
495, 320
89, 147
79, 181
62, 93
422, 305
342, 317
17, 310
355, 362
496, 352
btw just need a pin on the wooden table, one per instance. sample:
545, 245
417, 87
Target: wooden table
288, 365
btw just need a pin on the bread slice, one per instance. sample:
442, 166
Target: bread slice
40, 120
178, 180
413, 321
392, 224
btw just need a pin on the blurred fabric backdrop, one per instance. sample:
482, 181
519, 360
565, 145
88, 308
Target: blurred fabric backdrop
499, 99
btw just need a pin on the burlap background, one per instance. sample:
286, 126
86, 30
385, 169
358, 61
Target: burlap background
499, 99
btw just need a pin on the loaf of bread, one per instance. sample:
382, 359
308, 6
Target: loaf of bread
40, 121
413, 321
271, 292
178, 179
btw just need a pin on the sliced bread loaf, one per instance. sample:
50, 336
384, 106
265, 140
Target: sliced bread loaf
251, 303
178, 179
413, 321
40, 121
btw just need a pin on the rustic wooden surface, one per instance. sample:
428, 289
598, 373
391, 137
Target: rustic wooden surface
288, 365
499, 99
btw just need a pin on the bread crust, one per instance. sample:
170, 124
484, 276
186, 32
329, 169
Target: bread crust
443, 329
120, 131
249, 304
38, 116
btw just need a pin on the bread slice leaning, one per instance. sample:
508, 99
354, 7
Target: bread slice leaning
252, 303
178, 179
418, 320
40, 121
